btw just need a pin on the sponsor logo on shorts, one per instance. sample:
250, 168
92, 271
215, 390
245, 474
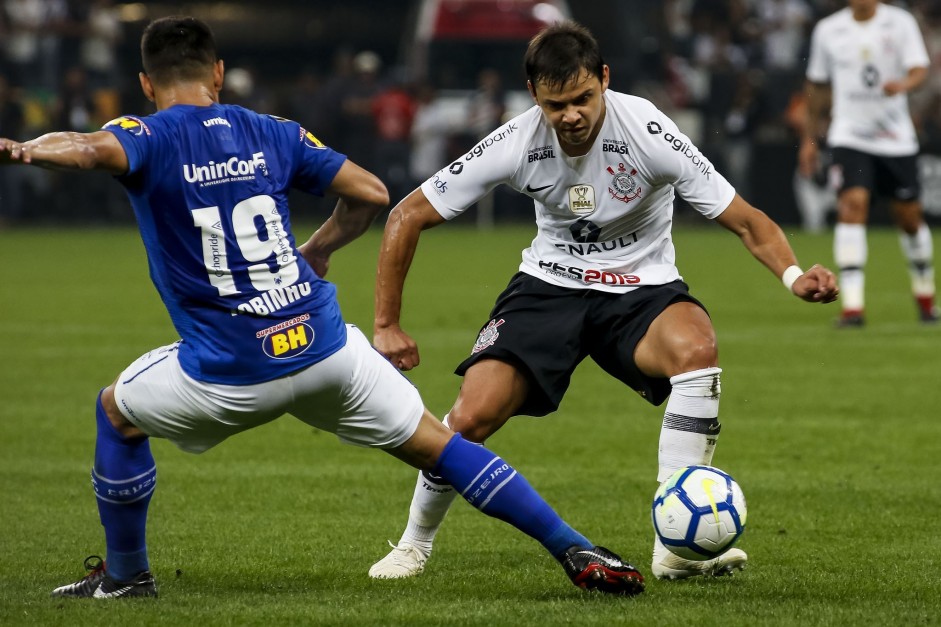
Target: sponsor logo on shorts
287, 339
488, 336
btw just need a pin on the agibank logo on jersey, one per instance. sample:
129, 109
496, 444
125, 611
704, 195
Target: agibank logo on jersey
288, 339
130, 124
682, 147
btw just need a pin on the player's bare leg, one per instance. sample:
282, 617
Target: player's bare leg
850, 251
491, 392
495, 488
681, 344
915, 240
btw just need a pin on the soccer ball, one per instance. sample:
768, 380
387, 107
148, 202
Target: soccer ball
699, 512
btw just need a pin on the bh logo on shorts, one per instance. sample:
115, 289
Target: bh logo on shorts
487, 337
288, 339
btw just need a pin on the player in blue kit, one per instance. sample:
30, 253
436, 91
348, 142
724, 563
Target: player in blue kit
262, 334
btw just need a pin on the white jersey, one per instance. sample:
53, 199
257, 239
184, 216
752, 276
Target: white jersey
858, 58
604, 219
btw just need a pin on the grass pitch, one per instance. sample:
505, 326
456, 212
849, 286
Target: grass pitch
833, 436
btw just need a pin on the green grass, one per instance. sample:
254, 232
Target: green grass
833, 436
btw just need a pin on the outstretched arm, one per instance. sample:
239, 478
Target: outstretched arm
766, 241
406, 222
100, 150
362, 197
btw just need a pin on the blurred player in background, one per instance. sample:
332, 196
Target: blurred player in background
867, 57
262, 334
598, 280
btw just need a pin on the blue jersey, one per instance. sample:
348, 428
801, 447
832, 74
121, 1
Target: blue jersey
209, 188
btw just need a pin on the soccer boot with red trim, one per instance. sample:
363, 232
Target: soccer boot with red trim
597, 568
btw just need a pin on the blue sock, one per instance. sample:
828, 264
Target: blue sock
495, 488
124, 478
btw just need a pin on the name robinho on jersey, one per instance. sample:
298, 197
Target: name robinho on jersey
228, 171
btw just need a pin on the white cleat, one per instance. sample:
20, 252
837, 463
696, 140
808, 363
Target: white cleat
404, 560
671, 566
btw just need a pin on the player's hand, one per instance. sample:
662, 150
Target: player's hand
808, 159
397, 346
892, 88
318, 261
817, 285
320, 264
11, 151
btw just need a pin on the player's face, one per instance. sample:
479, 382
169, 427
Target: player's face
575, 110
863, 7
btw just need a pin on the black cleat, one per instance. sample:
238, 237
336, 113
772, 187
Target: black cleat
850, 321
99, 585
597, 568
931, 316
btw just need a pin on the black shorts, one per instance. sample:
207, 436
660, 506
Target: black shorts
892, 177
546, 331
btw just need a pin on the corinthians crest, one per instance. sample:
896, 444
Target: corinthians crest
623, 186
487, 336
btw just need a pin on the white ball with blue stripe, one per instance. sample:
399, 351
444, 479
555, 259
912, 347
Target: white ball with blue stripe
699, 512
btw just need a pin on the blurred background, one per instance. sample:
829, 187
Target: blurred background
405, 87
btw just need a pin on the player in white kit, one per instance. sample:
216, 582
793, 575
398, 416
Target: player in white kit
599, 279
869, 56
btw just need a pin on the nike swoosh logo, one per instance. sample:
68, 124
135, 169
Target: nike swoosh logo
98, 594
531, 189
601, 558
707, 488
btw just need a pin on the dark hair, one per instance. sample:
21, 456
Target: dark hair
177, 48
560, 53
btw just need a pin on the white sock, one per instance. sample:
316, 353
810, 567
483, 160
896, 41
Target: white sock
850, 251
690, 422
430, 503
919, 251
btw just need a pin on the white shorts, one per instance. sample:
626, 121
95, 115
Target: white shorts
355, 393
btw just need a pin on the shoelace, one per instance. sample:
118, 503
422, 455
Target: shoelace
94, 565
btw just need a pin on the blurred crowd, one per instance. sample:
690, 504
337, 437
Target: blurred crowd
59, 70
729, 71
739, 65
